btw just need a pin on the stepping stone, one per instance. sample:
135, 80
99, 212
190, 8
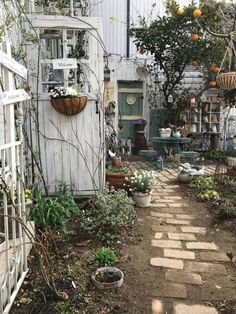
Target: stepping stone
152, 205
186, 205
185, 217
200, 267
182, 236
193, 309
163, 228
179, 254
161, 215
201, 246
167, 262
167, 244
174, 197
212, 256
171, 291
160, 200
158, 235
177, 222
157, 307
189, 229
181, 276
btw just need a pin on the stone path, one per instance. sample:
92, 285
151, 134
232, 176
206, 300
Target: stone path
191, 267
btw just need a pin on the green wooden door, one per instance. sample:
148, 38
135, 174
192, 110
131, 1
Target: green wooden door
130, 104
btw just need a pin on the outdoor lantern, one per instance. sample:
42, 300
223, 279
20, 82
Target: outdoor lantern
107, 73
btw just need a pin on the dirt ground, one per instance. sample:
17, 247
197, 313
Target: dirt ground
135, 251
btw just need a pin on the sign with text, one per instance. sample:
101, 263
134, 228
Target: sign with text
12, 65
14, 96
60, 64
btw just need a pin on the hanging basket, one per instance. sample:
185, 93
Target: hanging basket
226, 80
69, 106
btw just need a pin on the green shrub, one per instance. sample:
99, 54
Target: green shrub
104, 257
52, 212
202, 183
216, 155
208, 195
110, 212
224, 209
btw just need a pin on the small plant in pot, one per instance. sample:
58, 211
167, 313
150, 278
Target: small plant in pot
106, 277
141, 184
116, 177
185, 174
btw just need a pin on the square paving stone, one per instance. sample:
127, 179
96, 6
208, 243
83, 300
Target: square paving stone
158, 235
190, 229
200, 267
171, 291
182, 236
213, 256
157, 307
167, 262
181, 276
167, 244
193, 309
201, 246
179, 254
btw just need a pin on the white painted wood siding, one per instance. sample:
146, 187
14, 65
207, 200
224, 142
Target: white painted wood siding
114, 15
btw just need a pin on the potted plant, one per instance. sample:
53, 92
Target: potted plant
107, 278
117, 177
140, 124
68, 100
185, 174
140, 184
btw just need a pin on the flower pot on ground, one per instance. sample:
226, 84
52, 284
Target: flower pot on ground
116, 177
107, 278
185, 174
140, 184
142, 199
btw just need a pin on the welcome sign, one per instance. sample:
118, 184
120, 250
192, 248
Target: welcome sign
12, 65
14, 96
60, 64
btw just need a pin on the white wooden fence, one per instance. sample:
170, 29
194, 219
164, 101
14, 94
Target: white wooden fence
14, 237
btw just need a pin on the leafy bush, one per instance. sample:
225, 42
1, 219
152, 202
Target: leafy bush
52, 212
104, 257
208, 195
224, 209
202, 183
108, 213
217, 155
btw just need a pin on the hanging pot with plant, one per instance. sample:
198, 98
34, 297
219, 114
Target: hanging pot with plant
67, 100
226, 77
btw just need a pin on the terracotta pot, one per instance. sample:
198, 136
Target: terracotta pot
108, 285
117, 180
142, 199
116, 162
184, 177
69, 106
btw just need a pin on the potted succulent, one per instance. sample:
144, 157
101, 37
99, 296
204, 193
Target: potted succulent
68, 100
140, 184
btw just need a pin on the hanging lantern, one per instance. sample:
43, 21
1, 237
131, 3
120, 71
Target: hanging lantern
107, 74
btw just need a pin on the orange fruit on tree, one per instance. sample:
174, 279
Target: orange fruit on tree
194, 63
197, 13
195, 37
212, 83
180, 11
142, 50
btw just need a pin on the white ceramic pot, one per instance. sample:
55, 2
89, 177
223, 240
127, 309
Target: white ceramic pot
142, 199
108, 285
184, 177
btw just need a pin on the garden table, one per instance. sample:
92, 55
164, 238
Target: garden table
165, 145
